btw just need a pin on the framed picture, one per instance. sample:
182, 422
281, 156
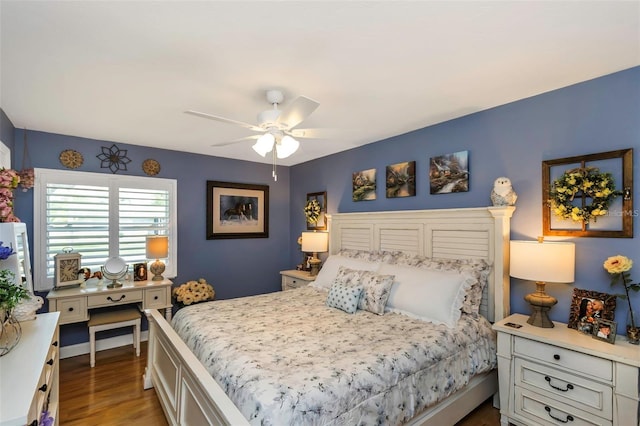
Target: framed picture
449, 173
589, 306
140, 272
585, 212
237, 210
364, 185
316, 205
605, 330
401, 180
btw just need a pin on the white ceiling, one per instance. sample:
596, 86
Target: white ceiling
125, 71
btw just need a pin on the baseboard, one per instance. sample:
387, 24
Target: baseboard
101, 345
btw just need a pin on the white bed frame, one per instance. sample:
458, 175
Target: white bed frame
190, 396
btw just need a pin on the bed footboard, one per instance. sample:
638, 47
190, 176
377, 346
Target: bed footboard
186, 391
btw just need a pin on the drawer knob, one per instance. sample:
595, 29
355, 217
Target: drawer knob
155, 297
569, 385
111, 300
43, 388
55, 343
556, 357
50, 362
70, 309
567, 420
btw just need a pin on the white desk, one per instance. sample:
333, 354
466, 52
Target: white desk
74, 303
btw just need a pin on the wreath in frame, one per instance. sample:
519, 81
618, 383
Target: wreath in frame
581, 184
312, 211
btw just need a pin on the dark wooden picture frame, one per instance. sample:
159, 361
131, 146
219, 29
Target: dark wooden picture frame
621, 219
237, 210
140, 272
578, 310
321, 198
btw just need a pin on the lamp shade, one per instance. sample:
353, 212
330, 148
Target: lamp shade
157, 247
543, 261
264, 144
315, 242
286, 147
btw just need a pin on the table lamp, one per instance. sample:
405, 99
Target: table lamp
157, 248
315, 242
542, 262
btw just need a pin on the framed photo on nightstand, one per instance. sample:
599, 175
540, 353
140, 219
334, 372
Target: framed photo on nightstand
605, 330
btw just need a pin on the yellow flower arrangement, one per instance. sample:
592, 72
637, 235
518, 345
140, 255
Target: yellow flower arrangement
584, 183
194, 292
312, 211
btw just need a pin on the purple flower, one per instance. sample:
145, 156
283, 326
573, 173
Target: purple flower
5, 252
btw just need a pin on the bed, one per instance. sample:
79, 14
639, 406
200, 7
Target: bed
351, 385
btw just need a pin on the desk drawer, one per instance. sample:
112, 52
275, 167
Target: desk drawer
156, 298
115, 298
72, 310
565, 359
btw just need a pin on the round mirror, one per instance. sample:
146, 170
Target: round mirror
114, 269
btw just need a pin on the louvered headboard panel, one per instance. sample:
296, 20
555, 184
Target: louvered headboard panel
446, 233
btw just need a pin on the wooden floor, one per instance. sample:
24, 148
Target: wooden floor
111, 393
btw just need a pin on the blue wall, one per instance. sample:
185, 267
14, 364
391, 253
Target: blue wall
511, 140
235, 268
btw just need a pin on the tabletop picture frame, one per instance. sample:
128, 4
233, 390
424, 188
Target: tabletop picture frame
605, 330
237, 210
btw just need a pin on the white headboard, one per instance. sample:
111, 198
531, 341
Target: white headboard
444, 233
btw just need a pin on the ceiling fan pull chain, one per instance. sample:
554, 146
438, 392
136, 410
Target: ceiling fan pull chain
273, 172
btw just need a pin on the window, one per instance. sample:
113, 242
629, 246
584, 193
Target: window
100, 216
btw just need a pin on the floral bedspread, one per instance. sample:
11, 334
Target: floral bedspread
286, 358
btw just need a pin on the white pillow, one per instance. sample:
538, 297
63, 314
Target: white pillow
426, 294
330, 268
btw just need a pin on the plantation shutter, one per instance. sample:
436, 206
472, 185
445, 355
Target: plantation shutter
99, 217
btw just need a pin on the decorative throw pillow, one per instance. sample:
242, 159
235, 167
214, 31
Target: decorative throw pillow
376, 287
344, 297
329, 270
427, 294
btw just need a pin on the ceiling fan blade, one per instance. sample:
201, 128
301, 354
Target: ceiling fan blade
314, 133
225, 120
235, 141
297, 111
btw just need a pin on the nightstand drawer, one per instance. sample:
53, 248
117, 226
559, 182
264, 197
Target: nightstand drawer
115, 298
538, 409
72, 310
567, 359
289, 283
580, 392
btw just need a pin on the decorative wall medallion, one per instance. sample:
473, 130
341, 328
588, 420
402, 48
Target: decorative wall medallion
151, 167
71, 159
113, 158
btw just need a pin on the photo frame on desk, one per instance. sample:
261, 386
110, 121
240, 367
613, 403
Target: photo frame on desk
140, 272
237, 210
605, 330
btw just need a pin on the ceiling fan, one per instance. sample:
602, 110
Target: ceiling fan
276, 126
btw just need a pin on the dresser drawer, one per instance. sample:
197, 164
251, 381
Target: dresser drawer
534, 408
156, 298
72, 310
115, 298
564, 358
580, 392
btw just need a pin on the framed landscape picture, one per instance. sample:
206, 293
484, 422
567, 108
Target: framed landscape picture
237, 210
449, 173
401, 180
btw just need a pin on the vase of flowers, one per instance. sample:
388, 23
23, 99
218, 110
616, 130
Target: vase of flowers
193, 292
618, 267
11, 295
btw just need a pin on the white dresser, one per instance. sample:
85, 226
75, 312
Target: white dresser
558, 376
30, 372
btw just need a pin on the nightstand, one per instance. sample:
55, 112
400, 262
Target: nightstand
559, 375
295, 279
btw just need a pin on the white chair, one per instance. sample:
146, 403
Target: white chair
108, 321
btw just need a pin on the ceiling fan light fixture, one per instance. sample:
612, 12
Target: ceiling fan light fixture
264, 144
286, 147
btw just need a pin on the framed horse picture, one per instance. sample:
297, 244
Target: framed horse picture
237, 210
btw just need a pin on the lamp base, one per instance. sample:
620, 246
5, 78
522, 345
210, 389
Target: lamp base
540, 303
315, 263
157, 268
